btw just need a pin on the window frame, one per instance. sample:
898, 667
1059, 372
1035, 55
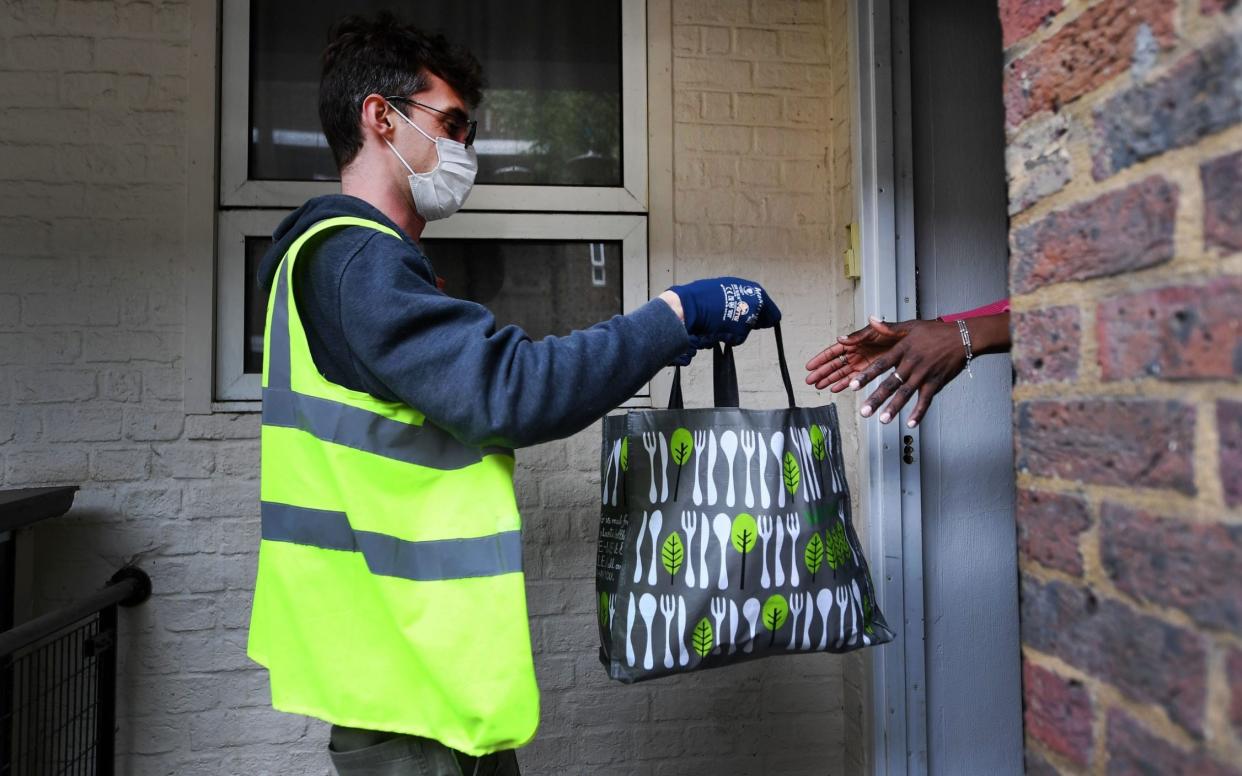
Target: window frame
237, 190
233, 384
205, 207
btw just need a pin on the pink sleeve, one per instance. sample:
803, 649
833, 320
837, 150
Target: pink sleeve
996, 308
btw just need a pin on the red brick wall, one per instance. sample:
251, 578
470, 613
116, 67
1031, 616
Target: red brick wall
1124, 126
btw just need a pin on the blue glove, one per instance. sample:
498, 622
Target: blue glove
725, 310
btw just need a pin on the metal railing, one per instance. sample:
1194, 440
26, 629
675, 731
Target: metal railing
58, 685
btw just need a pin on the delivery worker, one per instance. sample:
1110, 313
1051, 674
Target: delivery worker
390, 599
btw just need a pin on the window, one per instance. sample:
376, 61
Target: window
561, 200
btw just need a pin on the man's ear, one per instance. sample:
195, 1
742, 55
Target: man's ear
377, 117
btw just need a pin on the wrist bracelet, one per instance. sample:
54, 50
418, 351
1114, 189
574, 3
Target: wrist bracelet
961, 327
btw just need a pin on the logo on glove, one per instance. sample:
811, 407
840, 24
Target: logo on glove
738, 309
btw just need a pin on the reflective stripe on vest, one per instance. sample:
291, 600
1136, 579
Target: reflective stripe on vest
388, 546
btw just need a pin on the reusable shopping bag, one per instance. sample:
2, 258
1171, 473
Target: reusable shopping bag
725, 536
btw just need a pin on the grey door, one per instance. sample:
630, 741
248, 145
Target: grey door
974, 712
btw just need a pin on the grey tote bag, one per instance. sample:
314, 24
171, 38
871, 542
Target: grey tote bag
725, 535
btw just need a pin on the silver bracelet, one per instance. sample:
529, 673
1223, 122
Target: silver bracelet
961, 327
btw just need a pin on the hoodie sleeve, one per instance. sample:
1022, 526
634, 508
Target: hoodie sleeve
490, 386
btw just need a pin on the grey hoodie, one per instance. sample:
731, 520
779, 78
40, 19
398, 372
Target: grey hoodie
377, 323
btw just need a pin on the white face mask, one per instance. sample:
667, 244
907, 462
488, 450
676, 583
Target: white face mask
440, 192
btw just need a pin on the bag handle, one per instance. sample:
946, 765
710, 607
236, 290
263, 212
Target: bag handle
724, 377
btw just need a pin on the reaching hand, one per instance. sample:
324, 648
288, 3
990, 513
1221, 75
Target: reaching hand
924, 355
725, 310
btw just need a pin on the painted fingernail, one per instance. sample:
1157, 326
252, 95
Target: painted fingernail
842, 338
911, 423
885, 418
865, 411
855, 384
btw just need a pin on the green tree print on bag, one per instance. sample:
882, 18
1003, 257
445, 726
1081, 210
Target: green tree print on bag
838, 548
775, 612
792, 474
682, 445
814, 555
673, 555
745, 533
703, 638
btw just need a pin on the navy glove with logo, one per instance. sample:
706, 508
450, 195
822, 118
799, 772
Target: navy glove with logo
724, 310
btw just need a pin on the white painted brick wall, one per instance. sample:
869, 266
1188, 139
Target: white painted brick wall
92, 252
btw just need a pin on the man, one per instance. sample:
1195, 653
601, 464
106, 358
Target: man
390, 599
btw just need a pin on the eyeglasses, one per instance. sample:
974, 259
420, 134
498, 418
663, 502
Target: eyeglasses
453, 123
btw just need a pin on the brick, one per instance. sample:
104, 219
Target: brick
161, 384
788, 12
183, 462
150, 501
120, 465
124, 346
48, 52
8, 426
234, 498
755, 44
797, 77
1209, 7
754, 173
711, 11
146, 425
215, 730
1120, 231
1190, 567
1038, 765
687, 39
1049, 528
83, 424
10, 311
1046, 344
705, 240
723, 74
136, 55
25, 235
1084, 54
242, 461
1147, 659
717, 106
786, 142
802, 109
60, 465
1057, 713
168, 695
61, 309
1201, 95
186, 614
1233, 673
1222, 203
717, 40
1175, 333
26, 90
1229, 427
1020, 18
804, 45
1037, 161
223, 426
1133, 750
36, 386
121, 385
1127, 442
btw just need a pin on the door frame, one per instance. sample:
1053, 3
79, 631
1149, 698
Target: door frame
895, 695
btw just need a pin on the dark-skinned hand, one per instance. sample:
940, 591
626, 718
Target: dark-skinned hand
926, 354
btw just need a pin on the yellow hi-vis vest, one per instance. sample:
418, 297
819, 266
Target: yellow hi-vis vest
390, 593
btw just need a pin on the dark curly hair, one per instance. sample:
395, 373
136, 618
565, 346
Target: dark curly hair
384, 56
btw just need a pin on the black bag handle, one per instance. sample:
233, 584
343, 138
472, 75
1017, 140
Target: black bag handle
724, 377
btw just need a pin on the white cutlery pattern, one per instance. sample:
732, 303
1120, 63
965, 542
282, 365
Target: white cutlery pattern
738, 624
